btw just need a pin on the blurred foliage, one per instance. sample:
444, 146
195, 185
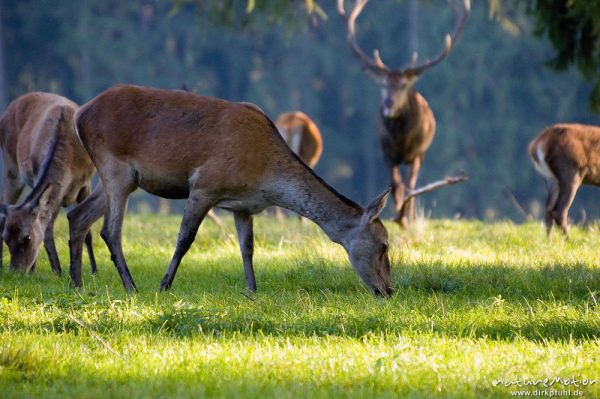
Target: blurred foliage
573, 28
252, 14
491, 96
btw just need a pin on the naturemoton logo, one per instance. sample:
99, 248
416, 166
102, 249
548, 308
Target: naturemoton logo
576, 382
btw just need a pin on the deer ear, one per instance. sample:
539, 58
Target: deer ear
376, 206
41, 199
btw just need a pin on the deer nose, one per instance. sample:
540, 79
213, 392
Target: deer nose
387, 103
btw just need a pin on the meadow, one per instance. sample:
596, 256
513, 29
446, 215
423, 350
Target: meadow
480, 310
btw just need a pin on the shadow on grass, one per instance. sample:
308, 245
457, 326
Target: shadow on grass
503, 302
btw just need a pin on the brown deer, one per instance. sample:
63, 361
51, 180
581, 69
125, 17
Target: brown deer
302, 135
177, 144
40, 150
408, 124
566, 155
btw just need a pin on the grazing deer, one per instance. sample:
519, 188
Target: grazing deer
302, 135
213, 152
408, 124
40, 150
566, 155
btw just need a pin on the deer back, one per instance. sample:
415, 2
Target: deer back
168, 135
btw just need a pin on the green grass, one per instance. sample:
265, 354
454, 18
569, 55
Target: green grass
475, 303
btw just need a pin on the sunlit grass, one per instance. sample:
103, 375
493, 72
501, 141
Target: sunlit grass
476, 305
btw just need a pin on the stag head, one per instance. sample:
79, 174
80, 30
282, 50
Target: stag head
396, 84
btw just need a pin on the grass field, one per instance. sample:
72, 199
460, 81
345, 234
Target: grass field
480, 310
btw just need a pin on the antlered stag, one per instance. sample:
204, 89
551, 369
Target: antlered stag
408, 124
302, 135
566, 155
40, 150
213, 152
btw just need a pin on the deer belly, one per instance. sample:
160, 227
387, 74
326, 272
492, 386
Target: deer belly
172, 186
250, 204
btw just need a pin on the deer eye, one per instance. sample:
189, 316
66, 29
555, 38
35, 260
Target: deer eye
27, 239
383, 248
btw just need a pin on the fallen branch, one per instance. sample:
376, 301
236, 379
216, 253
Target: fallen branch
435, 185
215, 218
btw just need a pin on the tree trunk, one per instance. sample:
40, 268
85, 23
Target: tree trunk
86, 55
413, 26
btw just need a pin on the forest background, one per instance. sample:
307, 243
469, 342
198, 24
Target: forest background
491, 96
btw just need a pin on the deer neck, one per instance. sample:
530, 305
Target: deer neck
50, 174
308, 195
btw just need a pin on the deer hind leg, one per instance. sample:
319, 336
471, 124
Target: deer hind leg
196, 208
552, 188
398, 192
50, 245
408, 209
567, 188
89, 243
245, 233
81, 218
120, 182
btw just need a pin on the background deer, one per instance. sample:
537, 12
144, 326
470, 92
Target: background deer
302, 135
213, 152
40, 150
408, 124
566, 155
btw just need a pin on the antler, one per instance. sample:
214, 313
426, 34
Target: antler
375, 65
448, 42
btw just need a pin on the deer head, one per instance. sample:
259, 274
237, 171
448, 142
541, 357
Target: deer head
396, 84
367, 248
23, 231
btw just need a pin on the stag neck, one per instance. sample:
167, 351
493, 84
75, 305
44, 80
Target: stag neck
309, 196
408, 110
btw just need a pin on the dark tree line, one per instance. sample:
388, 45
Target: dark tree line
491, 96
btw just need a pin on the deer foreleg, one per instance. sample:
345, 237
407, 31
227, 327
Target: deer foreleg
245, 232
397, 191
83, 194
196, 208
117, 190
407, 212
50, 245
81, 218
